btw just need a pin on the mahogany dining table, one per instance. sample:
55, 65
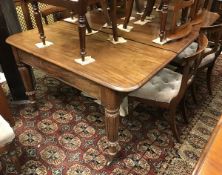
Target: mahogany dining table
118, 68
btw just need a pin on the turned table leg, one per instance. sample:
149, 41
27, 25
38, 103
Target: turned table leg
111, 102
163, 19
27, 78
148, 9
128, 9
38, 20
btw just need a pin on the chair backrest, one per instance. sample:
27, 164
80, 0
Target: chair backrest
191, 64
4, 108
25, 11
181, 8
214, 35
200, 6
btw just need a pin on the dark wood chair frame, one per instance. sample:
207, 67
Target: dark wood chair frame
25, 11
185, 7
190, 64
51, 10
214, 34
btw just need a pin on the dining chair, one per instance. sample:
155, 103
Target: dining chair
51, 10
46, 11
167, 88
212, 52
180, 15
180, 25
7, 135
200, 6
185, 14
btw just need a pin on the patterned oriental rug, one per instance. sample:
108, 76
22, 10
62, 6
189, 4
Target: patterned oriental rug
66, 135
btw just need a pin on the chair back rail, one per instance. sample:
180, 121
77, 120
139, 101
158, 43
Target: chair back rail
214, 35
184, 6
190, 65
25, 11
200, 5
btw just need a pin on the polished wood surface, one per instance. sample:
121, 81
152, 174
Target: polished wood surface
210, 162
112, 61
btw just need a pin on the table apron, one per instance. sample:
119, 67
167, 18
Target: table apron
70, 78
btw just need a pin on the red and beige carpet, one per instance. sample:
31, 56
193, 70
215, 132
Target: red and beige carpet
66, 135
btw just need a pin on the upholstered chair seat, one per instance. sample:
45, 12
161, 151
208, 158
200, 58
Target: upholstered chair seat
191, 49
6, 132
163, 87
209, 58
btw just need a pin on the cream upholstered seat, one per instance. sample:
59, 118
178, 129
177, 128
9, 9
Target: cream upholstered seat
163, 87
191, 49
6, 132
188, 51
207, 59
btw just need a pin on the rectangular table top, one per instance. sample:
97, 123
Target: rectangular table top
121, 67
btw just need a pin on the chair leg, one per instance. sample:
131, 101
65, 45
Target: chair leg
193, 93
148, 9
172, 115
139, 6
114, 19
88, 28
209, 73
184, 110
128, 9
130, 108
46, 20
104, 6
160, 5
